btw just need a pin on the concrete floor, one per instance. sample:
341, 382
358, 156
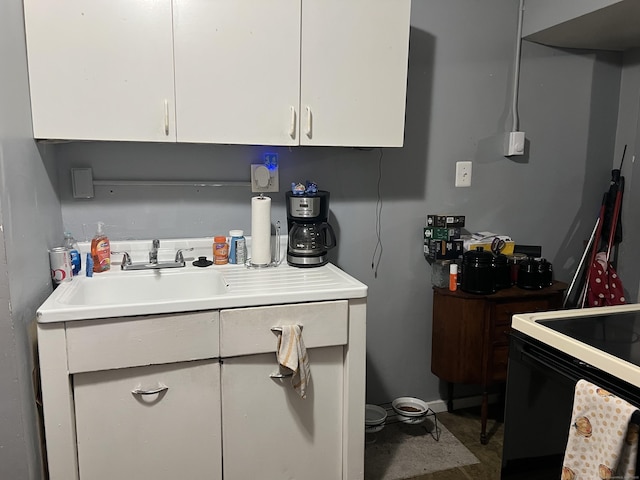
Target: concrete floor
465, 426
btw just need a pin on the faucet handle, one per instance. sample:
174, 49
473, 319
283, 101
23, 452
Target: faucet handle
155, 243
179, 257
126, 258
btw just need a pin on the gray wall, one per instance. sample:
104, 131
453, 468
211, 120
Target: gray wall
458, 105
30, 220
629, 134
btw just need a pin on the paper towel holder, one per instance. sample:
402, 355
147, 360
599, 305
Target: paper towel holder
274, 261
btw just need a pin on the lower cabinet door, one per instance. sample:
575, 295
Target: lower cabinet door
159, 422
271, 433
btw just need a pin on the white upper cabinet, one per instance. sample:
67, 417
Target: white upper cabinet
101, 70
237, 70
277, 72
588, 24
354, 72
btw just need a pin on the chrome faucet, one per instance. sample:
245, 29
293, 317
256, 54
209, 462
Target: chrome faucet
153, 264
153, 253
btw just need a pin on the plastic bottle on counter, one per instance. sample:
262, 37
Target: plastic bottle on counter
237, 247
220, 250
74, 252
101, 250
453, 277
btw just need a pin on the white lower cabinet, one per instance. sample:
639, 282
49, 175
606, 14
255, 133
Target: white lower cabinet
190, 396
269, 432
124, 430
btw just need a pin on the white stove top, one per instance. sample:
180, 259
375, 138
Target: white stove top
529, 325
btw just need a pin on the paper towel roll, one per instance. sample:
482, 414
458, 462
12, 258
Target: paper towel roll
261, 230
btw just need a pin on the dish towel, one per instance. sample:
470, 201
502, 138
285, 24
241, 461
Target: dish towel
603, 441
292, 354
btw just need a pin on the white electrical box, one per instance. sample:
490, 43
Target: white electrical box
514, 144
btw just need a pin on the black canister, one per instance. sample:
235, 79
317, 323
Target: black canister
478, 272
530, 274
502, 272
546, 273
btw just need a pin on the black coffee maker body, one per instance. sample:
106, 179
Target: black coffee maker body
310, 237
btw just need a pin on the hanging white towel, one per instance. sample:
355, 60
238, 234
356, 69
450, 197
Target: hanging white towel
292, 354
603, 443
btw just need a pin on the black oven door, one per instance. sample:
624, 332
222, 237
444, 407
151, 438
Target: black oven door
538, 405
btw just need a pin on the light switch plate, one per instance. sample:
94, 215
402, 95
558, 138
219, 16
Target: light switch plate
463, 174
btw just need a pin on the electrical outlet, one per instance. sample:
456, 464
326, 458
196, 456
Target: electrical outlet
463, 174
514, 144
264, 179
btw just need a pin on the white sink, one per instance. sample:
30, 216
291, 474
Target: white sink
143, 287
118, 293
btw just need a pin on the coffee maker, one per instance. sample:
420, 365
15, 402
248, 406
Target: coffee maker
310, 236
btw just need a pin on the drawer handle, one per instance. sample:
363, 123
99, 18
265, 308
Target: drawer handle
279, 329
280, 375
153, 391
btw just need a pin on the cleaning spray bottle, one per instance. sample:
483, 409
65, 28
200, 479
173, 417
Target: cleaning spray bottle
101, 250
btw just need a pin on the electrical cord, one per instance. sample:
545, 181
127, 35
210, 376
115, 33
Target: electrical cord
377, 252
516, 71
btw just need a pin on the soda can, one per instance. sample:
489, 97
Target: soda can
61, 269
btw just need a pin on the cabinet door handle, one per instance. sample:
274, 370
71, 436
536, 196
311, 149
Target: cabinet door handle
153, 391
280, 375
309, 122
292, 124
166, 117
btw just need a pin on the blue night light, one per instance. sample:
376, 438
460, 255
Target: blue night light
271, 160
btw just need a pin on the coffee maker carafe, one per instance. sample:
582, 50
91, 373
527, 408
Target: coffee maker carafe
310, 236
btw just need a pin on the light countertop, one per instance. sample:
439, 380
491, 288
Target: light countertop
245, 286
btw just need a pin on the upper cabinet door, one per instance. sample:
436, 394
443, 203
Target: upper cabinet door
101, 69
354, 72
237, 65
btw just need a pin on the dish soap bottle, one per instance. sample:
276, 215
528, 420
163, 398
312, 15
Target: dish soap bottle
101, 250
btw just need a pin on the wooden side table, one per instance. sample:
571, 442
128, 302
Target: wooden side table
470, 335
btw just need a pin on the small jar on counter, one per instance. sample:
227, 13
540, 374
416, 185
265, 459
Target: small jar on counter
220, 250
237, 247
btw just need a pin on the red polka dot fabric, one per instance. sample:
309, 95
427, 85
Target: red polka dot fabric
605, 287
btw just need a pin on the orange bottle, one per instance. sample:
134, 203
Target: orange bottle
101, 250
453, 277
220, 250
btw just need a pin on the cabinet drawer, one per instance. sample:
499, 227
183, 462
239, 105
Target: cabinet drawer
129, 342
246, 331
501, 334
504, 311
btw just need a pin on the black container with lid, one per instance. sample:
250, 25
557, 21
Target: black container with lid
534, 274
502, 273
478, 272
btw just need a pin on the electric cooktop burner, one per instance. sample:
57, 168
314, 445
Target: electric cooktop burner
616, 334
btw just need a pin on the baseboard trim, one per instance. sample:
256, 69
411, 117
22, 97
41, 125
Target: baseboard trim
464, 402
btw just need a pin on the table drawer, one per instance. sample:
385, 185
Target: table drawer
504, 311
133, 341
247, 331
501, 334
